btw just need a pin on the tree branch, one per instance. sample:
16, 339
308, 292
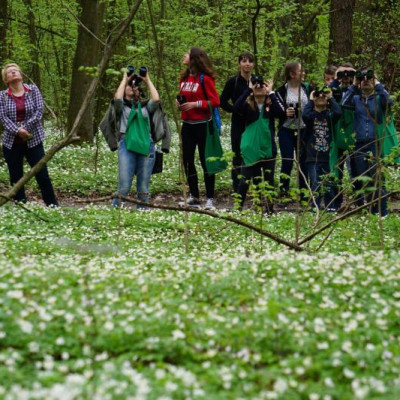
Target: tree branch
213, 214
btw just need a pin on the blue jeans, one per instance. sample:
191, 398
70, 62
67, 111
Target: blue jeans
288, 145
365, 165
15, 162
320, 185
129, 165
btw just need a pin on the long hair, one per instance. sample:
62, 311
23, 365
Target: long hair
290, 67
200, 63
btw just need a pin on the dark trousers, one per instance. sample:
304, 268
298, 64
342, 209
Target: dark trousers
288, 147
321, 184
263, 170
15, 162
365, 165
194, 135
237, 161
345, 157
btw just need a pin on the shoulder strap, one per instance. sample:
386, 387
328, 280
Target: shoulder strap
203, 86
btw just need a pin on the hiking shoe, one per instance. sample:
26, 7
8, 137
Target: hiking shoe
209, 204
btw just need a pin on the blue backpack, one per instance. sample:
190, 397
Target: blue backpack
216, 116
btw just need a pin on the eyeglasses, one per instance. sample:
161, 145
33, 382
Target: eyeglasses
10, 71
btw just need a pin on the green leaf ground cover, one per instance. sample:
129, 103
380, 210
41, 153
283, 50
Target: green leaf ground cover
105, 304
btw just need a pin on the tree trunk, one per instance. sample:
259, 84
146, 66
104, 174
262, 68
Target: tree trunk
86, 55
34, 53
3, 32
341, 30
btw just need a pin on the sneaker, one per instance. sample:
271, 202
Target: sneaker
191, 202
209, 204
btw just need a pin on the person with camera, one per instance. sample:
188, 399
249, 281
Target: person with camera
136, 151
196, 91
259, 106
320, 116
234, 87
294, 96
370, 101
21, 111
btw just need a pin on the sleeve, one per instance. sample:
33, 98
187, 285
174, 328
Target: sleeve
334, 84
118, 106
8, 124
38, 109
152, 106
308, 111
240, 105
213, 98
226, 95
384, 97
277, 107
348, 97
336, 111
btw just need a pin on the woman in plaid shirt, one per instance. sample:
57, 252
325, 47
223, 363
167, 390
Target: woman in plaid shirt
21, 111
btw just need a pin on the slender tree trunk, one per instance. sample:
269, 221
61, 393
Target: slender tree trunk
3, 32
86, 55
341, 30
35, 69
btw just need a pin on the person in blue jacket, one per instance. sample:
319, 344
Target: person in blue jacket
259, 104
320, 115
370, 100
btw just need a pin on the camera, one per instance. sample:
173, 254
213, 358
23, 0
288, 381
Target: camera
296, 108
346, 72
325, 91
364, 75
181, 99
257, 80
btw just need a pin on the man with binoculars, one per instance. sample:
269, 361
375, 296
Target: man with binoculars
370, 101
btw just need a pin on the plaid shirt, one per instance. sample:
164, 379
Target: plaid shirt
33, 116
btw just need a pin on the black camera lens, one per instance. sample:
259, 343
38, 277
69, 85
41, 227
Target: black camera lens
130, 69
143, 71
181, 99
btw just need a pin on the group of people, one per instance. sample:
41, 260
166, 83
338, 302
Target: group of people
321, 130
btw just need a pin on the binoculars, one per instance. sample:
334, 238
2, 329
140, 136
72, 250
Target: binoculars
365, 75
257, 80
322, 92
296, 108
346, 72
133, 77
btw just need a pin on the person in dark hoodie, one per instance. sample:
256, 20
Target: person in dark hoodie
234, 87
320, 115
259, 106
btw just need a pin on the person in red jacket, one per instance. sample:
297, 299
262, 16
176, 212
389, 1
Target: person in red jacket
196, 88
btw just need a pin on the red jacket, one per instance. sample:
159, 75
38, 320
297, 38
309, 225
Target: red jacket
192, 89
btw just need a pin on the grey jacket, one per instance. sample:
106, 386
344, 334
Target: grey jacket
109, 127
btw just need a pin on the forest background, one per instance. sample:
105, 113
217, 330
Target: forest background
51, 42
